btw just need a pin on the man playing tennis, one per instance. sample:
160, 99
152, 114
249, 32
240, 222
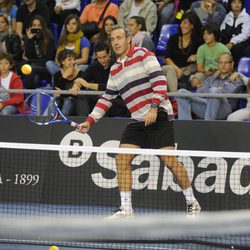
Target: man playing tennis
138, 78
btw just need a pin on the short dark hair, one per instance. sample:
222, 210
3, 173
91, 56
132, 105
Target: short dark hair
62, 55
214, 29
140, 20
8, 57
101, 46
230, 2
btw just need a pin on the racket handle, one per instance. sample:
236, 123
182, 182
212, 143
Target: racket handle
75, 125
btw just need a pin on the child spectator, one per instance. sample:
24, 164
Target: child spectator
10, 103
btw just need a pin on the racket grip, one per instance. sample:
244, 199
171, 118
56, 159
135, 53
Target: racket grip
75, 125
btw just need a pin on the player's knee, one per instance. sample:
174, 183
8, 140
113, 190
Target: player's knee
123, 160
169, 161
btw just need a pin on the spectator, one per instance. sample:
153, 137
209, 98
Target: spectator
27, 11
38, 49
93, 11
64, 80
10, 103
9, 9
207, 55
104, 34
72, 39
95, 78
143, 8
180, 57
235, 29
209, 11
244, 113
140, 37
65, 7
9, 41
212, 108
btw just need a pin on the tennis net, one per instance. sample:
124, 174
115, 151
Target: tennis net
57, 194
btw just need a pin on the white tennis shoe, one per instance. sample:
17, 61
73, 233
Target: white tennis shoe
121, 213
193, 208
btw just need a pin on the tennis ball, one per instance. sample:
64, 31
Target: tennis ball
26, 69
54, 248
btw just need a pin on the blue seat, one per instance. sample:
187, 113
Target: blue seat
244, 66
115, 2
166, 31
247, 6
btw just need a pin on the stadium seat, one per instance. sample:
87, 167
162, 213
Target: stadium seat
247, 6
166, 31
244, 66
115, 2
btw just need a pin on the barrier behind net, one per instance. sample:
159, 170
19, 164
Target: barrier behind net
54, 194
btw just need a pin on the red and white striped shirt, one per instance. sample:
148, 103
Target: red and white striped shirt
139, 80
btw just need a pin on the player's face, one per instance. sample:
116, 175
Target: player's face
186, 26
103, 58
68, 62
208, 37
4, 66
225, 64
108, 25
236, 6
71, 26
120, 42
133, 26
3, 24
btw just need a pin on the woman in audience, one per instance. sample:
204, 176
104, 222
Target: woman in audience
9, 41
38, 49
74, 40
9, 10
180, 57
140, 36
235, 29
10, 103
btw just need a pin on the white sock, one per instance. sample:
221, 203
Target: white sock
126, 200
189, 195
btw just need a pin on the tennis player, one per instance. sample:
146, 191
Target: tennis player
137, 77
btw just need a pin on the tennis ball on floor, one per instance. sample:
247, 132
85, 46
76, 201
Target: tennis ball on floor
26, 69
54, 248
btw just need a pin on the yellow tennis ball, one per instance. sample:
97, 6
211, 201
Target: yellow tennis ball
54, 248
26, 69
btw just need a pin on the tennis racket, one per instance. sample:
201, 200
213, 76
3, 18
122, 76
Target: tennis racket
42, 109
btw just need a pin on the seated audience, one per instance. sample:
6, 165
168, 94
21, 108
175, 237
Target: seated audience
27, 11
72, 39
64, 80
95, 78
235, 29
64, 8
97, 12
244, 113
9, 41
10, 103
38, 49
143, 8
212, 108
8, 9
207, 55
180, 57
209, 11
140, 37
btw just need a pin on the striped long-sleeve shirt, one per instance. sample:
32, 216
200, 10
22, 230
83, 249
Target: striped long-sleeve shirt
139, 80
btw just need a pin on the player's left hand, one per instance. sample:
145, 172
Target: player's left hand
151, 116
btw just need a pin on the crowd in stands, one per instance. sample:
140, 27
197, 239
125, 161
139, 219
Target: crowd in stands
67, 44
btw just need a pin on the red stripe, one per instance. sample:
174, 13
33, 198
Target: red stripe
159, 83
90, 120
116, 70
139, 105
102, 106
137, 94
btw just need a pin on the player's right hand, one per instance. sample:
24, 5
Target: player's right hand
83, 127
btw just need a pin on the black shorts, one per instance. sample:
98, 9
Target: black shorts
158, 135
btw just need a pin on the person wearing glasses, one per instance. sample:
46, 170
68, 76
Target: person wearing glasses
212, 108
